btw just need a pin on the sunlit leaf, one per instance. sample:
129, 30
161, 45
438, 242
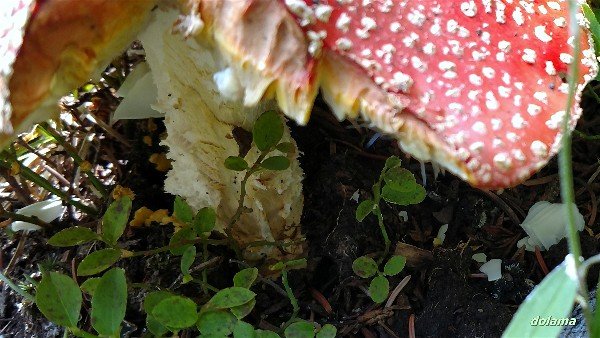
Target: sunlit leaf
109, 302
300, 329
73, 236
327, 331
59, 298
115, 219
553, 297
231, 297
176, 312
379, 289
98, 261
267, 131
245, 278
182, 210
277, 163
364, 267
364, 209
205, 220
394, 266
236, 163
180, 237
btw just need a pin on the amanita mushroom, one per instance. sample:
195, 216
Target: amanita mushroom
476, 86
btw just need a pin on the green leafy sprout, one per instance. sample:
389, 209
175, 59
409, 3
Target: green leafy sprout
395, 185
60, 298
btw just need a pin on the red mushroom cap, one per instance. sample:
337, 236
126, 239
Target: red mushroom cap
484, 78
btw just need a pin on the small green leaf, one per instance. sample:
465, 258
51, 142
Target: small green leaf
98, 261
403, 178
243, 310
155, 327
364, 209
327, 331
182, 210
205, 220
189, 255
394, 265
184, 234
176, 312
243, 330
58, 297
276, 163
265, 334
553, 297
300, 329
236, 163
231, 297
216, 323
245, 278
115, 219
90, 285
109, 302
277, 266
391, 194
154, 298
286, 147
73, 236
392, 162
267, 131
379, 289
295, 264
364, 267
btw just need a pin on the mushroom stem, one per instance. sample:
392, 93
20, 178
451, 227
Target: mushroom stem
200, 124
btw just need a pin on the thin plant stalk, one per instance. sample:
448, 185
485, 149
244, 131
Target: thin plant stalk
32, 176
16, 288
566, 168
290, 295
73, 153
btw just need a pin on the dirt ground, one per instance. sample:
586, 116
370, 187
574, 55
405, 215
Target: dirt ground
446, 295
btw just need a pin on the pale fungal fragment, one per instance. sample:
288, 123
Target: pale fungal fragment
46, 211
545, 225
492, 269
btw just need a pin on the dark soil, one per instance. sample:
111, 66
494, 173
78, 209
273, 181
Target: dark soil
446, 295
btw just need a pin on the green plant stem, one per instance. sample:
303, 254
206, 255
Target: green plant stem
23, 218
386, 238
73, 153
205, 285
241, 208
16, 288
292, 298
204, 271
176, 246
377, 212
565, 165
32, 176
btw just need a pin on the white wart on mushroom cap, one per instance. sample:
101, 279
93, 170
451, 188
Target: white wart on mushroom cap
486, 76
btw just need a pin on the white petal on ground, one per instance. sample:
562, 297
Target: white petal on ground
139, 93
47, 211
199, 124
441, 236
546, 225
479, 257
492, 269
